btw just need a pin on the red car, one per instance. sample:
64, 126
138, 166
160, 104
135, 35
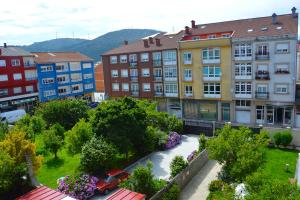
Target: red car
111, 181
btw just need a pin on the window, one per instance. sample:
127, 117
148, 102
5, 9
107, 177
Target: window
243, 69
124, 73
211, 36
86, 65
282, 48
62, 90
29, 88
145, 72
46, 68
187, 58
243, 88
187, 74
28, 61
114, 73
211, 71
88, 86
262, 50
243, 103
281, 88
125, 87
242, 50
212, 88
158, 88
76, 77
261, 88
17, 90
87, 76
49, 93
113, 59
262, 68
133, 72
3, 78
146, 87
211, 53
188, 90
132, 58
226, 35
170, 72
157, 72
196, 38
76, 88
134, 87
144, 57
75, 66
171, 88
169, 57
60, 67
17, 76
123, 59
30, 75
62, 79
3, 92
156, 56
15, 62
282, 68
115, 86
2, 63
47, 80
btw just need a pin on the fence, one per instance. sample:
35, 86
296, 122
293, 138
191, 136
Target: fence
186, 175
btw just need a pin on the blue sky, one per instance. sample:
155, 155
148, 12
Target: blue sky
25, 22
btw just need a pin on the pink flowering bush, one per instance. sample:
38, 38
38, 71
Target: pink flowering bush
192, 156
78, 187
173, 139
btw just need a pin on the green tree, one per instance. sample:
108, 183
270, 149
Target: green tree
177, 165
78, 136
64, 112
202, 142
53, 139
172, 194
7, 166
97, 155
3, 130
239, 150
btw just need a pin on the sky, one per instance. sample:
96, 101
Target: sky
24, 22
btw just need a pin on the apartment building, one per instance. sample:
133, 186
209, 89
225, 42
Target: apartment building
260, 55
18, 79
64, 75
147, 68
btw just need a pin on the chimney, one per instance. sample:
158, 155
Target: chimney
157, 42
294, 14
5, 45
151, 40
274, 18
193, 24
146, 45
187, 30
125, 42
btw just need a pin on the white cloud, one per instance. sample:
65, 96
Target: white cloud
37, 20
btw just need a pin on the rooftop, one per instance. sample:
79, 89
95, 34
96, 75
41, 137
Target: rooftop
44, 193
52, 57
124, 194
13, 51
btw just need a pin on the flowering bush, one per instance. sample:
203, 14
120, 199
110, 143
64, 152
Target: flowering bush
192, 156
80, 188
173, 139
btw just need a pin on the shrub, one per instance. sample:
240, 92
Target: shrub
177, 165
277, 138
283, 138
216, 185
81, 187
172, 193
173, 139
154, 139
202, 142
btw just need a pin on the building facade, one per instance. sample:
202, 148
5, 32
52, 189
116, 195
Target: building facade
18, 79
64, 75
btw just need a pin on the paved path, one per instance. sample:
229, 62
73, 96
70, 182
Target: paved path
197, 188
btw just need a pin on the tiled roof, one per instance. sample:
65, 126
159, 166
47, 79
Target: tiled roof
167, 42
124, 194
51, 57
44, 193
14, 51
286, 24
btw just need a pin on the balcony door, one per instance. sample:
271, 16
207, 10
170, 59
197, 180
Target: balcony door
262, 50
260, 114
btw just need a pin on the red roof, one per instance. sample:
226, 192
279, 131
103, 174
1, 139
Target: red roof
124, 194
114, 172
43, 193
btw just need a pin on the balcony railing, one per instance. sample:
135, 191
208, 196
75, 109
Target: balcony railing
133, 64
157, 78
156, 63
262, 56
134, 78
262, 75
158, 93
282, 71
261, 95
135, 93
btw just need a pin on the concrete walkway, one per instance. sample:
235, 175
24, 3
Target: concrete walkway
197, 188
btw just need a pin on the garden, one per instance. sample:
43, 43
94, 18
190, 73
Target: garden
70, 143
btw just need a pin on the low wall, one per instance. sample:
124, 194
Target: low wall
183, 178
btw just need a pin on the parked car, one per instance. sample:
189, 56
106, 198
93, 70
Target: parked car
111, 180
12, 116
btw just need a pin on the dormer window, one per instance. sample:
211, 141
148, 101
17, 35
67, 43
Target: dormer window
264, 29
227, 35
250, 30
211, 36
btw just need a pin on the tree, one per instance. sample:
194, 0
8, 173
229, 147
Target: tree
64, 112
172, 194
154, 138
31, 126
97, 155
78, 136
177, 165
202, 142
53, 140
239, 150
3, 130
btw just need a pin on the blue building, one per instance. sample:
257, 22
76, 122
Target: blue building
64, 75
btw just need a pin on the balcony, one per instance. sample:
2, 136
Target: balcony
133, 64
212, 95
262, 56
156, 63
282, 71
188, 79
157, 78
187, 62
242, 58
158, 93
170, 62
188, 94
243, 95
216, 78
262, 95
167, 94
262, 75
211, 61
134, 93
243, 76
134, 78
